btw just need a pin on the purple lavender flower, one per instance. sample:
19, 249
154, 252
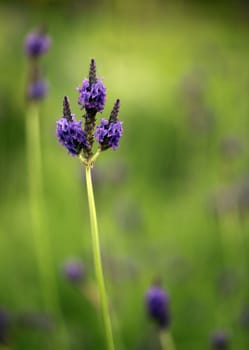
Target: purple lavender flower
92, 92
220, 340
74, 270
37, 90
36, 44
157, 304
109, 132
92, 96
71, 135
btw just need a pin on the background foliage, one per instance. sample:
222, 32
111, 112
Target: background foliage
172, 201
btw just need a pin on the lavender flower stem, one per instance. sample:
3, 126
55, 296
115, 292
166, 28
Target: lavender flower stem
97, 260
95, 156
166, 340
35, 190
41, 243
89, 162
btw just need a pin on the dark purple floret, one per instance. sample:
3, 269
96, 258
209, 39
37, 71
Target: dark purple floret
92, 96
109, 134
36, 44
157, 304
220, 340
37, 90
71, 135
74, 270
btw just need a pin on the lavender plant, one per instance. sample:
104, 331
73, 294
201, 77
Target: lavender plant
78, 137
36, 45
157, 306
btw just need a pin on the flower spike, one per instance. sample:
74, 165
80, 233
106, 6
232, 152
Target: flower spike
79, 136
69, 131
92, 92
114, 113
92, 73
109, 132
66, 109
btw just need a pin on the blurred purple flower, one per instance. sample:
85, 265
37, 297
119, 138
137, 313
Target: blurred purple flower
157, 304
220, 340
74, 270
4, 325
92, 96
36, 44
70, 134
37, 90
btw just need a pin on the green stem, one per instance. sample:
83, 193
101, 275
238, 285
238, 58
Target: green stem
166, 340
97, 260
35, 193
89, 162
41, 241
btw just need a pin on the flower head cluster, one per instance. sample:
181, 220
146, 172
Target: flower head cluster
36, 44
78, 140
69, 131
71, 135
92, 96
157, 304
109, 132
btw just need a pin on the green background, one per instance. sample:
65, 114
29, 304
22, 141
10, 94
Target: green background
172, 201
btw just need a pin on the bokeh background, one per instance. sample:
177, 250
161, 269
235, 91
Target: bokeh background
172, 201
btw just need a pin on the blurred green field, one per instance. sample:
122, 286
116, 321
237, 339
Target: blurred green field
172, 201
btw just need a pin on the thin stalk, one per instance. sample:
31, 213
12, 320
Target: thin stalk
35, 194
40, 237
166, 340
97, 260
